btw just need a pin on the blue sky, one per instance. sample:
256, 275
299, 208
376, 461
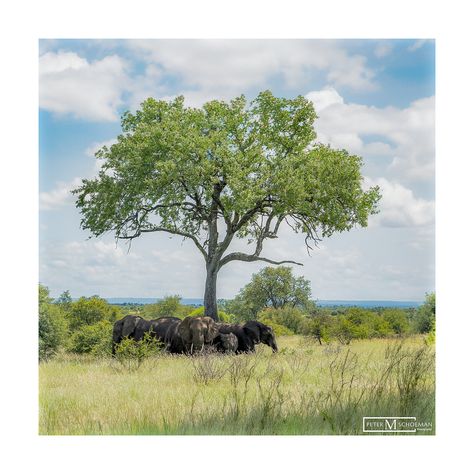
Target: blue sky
373, 97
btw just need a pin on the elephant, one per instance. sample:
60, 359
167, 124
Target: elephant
196, 332
124, 327
249, 334
163, 329
227, 343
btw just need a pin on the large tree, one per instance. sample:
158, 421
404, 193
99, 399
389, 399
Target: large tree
224, 171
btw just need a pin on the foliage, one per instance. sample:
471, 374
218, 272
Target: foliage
168, 306
289, 317
92, 339
271, 288
131, 354
278, 329
88, 311
424, 319
52, 326
398, 321
250, 166
64, 300
318, 326
222, 315
431, 337
241, 309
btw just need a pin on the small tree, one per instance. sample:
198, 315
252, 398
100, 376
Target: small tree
168, 306
52, 326
88, 311
424, 319
224, 171
398, 321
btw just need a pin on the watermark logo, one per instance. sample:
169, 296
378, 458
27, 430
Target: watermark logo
394, 424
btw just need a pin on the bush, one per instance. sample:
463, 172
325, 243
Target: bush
291, 318
94, 339
131, 354
278, 329
424, 319
52, 325
168, 306
397, 320
223, 316
318, 326
88, 311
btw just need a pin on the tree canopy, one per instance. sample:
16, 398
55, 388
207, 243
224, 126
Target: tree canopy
222, 171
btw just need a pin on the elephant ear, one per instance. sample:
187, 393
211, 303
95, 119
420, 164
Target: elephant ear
212, 330
253, 331
184, 330
129, 325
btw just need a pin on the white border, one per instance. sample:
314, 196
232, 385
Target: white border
24, 22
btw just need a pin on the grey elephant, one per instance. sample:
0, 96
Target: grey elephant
227, 343
197, 332
163, 330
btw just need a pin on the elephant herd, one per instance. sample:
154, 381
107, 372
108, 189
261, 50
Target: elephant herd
194, 334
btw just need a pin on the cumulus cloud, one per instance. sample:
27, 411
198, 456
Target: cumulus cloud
59, 196
383, 49
230, 66
399, 207
109, 269
71, 85
406, 135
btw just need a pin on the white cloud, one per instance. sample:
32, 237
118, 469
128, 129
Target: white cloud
59, 196
71, 85
93, 148
406, 135
324, 98
399, 207
383, 49
233, 65
416, 45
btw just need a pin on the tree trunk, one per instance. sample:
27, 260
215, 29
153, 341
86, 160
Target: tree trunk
210, 298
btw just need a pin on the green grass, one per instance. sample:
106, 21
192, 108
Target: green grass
304, 389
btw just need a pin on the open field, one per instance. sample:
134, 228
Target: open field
304, 389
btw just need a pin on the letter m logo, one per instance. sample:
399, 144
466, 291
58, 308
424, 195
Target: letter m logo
391, 426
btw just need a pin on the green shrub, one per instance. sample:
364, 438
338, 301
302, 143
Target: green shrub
424, 318
168, 306
94, 339
291, 318
278, 329
52, 325
318, 326
398, 321
88, 311
131, 354
223, 316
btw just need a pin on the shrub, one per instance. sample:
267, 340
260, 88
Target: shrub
278, 329
52, 325
318, 327
131, 354
397, 320
88, 311
424, 319
291, 318
168, 306
94, 339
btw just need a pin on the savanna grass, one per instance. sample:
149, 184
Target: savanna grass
304, 389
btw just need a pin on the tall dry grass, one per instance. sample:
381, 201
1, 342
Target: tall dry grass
304, 389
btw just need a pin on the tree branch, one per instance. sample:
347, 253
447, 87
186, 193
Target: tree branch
170, 231
252, 258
